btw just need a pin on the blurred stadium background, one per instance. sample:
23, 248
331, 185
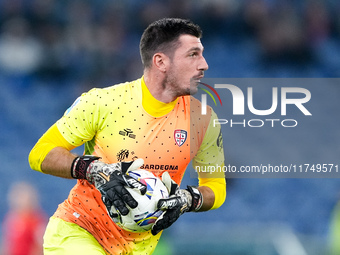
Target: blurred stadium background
53, 50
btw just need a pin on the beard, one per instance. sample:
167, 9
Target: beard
177, 88
193, 86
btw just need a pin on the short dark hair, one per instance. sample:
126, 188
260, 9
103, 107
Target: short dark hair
162, 36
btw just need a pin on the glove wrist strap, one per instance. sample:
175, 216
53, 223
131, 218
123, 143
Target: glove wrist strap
80, 165
197, 199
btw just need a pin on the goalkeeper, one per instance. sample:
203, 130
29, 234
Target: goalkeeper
151, 123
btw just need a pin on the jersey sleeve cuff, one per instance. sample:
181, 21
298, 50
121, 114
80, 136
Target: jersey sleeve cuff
218, 186
51, 139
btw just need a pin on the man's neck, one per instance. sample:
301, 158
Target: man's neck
157, 89
153, 106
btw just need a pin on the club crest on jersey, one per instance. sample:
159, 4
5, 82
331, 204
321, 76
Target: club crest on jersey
180, 136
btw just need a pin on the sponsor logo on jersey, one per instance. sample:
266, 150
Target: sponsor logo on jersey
122, 155
159, 167
180, 136
127, 132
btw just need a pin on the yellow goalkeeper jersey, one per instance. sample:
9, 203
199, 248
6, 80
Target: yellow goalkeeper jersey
116, 125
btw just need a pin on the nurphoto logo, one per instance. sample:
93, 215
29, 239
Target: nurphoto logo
204, 97
280, 98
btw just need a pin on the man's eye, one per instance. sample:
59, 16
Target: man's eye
193, 54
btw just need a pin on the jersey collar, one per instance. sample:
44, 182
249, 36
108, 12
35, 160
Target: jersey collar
152, 106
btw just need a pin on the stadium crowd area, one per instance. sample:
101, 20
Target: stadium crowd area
53, 50
95, 41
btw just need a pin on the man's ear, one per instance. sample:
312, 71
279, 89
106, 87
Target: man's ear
160, 61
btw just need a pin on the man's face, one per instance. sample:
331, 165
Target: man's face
186, 67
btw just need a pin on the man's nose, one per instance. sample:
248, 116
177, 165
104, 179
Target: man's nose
203, 65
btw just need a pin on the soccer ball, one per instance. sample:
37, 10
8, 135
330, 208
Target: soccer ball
143, 217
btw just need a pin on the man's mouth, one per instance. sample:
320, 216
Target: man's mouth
198, 78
